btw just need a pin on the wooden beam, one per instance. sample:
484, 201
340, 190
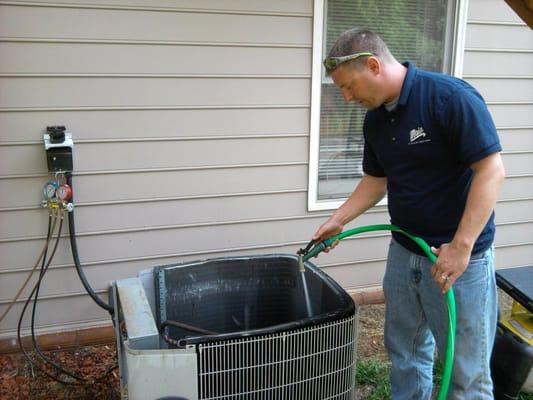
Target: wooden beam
524, 9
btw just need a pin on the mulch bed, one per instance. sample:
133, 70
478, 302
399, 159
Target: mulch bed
19, 380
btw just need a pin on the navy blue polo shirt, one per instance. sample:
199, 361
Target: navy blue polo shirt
440, 126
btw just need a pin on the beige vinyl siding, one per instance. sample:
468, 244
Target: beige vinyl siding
191, 128
498, 60
190, 121
23, 159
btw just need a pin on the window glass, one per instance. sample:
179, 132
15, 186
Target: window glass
416, 31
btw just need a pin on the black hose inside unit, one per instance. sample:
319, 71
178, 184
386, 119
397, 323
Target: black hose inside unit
76, 257
187, 327
165, 325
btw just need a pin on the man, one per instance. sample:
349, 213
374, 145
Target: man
431, 145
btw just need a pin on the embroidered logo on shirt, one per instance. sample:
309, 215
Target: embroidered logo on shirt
416, 134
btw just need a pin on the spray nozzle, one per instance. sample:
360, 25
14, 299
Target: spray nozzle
301, 267
303, 252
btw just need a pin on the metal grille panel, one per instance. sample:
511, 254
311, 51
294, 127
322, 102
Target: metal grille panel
310, 363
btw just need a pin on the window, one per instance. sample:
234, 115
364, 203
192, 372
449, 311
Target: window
421, 31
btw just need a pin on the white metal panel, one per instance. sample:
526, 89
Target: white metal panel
161, 373
138, 316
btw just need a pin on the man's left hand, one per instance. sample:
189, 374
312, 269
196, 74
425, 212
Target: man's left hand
451, 263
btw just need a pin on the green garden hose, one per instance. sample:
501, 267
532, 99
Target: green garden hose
450, 298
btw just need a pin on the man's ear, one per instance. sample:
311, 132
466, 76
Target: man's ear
373, 64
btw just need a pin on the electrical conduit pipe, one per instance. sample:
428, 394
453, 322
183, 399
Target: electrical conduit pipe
450, 298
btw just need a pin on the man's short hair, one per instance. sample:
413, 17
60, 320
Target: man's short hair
356, 41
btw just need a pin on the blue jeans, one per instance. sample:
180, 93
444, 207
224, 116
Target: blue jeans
417, 316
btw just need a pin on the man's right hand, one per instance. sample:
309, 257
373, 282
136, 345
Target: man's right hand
328, 229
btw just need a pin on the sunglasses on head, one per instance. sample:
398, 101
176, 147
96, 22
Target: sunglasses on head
333, 62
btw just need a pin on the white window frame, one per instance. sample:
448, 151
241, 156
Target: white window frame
457, 53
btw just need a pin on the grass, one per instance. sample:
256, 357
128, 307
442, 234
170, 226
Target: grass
525, 396
375, 374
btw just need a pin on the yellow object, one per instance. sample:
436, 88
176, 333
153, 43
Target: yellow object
520, 322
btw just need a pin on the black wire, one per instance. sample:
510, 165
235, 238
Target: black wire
21, 346
28, 278
34, 308
34, 290
75, 255
109, 370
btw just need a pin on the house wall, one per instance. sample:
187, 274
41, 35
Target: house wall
190, 121
191, 128
498, 60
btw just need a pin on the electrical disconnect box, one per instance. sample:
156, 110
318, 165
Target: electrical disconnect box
58, 145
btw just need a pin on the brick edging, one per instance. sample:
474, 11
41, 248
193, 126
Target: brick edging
62, 340
367, 297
